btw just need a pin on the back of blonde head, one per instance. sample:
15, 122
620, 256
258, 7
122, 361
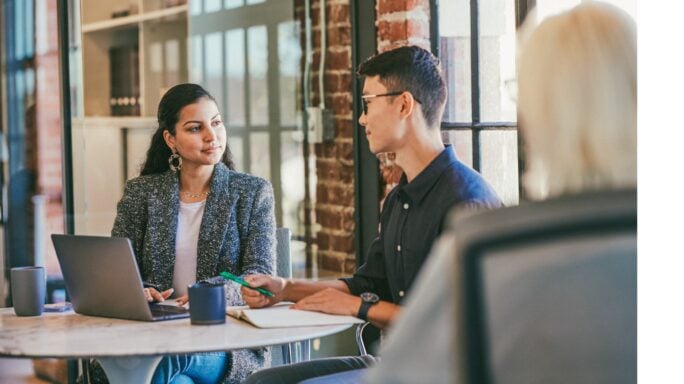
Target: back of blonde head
577, 101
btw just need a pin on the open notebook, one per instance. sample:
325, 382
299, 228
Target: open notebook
281, 316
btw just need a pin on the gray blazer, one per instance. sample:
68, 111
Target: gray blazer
237, 234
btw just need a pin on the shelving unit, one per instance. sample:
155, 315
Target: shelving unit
160, 35
109, 149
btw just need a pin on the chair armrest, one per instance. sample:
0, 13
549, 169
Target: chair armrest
359, 339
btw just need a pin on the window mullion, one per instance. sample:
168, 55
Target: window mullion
475, 78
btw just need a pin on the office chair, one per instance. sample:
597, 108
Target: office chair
546, 292
296, 351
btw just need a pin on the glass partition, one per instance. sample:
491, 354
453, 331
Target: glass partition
125, 56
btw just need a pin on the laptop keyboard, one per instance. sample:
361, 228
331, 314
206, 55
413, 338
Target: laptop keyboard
168, 311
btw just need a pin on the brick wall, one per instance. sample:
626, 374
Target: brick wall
402, 22
333, 210
399, 22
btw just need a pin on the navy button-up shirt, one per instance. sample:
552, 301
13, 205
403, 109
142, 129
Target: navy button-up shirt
412, 217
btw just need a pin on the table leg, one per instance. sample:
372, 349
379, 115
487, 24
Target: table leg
133, 369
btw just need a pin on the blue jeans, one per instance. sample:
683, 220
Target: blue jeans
199, 368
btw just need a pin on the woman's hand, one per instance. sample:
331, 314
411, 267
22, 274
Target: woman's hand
254, 299
152, 294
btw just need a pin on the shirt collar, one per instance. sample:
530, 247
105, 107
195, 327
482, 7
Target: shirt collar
419, 187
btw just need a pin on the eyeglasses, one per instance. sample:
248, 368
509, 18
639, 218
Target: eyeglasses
364, 99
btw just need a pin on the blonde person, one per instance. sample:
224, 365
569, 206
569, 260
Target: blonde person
189, 216
577, 105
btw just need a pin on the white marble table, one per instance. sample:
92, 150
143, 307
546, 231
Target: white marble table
129, 351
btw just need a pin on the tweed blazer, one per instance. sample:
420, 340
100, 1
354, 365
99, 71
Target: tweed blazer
237, 234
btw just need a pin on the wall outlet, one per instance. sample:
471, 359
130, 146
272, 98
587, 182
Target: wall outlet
321, 126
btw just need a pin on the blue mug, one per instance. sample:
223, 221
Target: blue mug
207, 303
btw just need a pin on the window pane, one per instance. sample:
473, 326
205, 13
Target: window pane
497, 59
195, 59
292, 166
195, 7
499, 163
212, 6
235, 143
293, 188
213, 62
228, 4
260, 156
258, 68
289, 54
172, 61
462, 141
235, 62
454, 32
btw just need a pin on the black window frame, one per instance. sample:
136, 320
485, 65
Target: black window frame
476, 126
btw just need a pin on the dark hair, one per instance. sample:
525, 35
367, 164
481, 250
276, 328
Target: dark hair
171, 103
411, 69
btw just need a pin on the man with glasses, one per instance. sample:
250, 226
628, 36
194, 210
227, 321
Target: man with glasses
404, 95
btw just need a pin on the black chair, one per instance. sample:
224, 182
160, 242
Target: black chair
546, 292
296, 351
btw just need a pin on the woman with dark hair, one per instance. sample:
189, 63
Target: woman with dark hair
189, 216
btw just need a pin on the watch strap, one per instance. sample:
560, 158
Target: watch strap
363, 310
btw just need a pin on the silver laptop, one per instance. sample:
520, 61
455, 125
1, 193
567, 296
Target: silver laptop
102, 279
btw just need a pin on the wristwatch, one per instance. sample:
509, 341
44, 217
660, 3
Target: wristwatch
368, 299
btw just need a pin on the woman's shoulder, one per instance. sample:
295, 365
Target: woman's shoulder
144, 182
247, 181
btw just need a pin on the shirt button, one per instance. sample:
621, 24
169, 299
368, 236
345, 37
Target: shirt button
399, 248
406, 206
401, 293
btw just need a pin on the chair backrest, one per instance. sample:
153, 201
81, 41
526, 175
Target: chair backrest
549, 292
283, 257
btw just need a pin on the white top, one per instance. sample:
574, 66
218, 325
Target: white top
187, 235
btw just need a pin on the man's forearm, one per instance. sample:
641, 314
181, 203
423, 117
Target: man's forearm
296, 289
383, 313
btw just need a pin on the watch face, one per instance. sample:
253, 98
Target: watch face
370, 297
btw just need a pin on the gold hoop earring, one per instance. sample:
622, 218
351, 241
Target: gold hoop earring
175, 161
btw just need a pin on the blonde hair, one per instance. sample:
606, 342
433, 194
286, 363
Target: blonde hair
577, 101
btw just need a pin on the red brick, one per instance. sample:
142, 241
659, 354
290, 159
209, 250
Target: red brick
331, 261
346, 152
344, 128
338, 13
340, 103
338, 82
323, 241
390, 6
339, 36
392, 30
349, 265
339, 60
343, 243
348, 220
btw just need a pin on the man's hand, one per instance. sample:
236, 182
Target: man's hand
331, 301
254, 299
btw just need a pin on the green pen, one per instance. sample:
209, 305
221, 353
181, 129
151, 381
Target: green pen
238, 280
